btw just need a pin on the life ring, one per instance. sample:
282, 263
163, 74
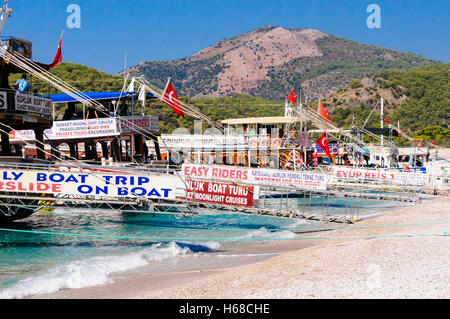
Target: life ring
253, 143
298, 156
335, 150
275, 142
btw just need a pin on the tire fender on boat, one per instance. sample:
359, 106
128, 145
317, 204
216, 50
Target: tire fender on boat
298, 156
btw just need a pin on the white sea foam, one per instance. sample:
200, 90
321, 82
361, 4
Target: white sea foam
265, 233
297, 224
213, 245
89, 272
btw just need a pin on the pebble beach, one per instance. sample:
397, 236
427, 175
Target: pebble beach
401, 254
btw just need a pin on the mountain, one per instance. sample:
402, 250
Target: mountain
270, 61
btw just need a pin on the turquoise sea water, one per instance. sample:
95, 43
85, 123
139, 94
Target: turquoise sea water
85, 247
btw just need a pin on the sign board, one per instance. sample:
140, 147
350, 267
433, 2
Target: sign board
334, 149
221, 193
258, 176
139, 123
33, 104
3, 101
382, 176
96, 184
199, 141
101, 127
24, 136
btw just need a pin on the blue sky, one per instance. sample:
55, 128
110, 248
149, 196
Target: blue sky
170, 29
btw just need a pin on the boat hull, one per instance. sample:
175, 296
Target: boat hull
10, 213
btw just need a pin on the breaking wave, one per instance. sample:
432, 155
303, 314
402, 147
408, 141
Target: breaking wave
91, 271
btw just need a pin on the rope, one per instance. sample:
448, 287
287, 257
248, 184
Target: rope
239, 228
48, 77
220, 239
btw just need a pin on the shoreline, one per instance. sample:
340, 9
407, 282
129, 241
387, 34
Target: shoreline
344, 266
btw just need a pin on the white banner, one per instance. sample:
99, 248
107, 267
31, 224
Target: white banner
119, 184
34, 104
382, 176
101, 127
204, 141
257, 176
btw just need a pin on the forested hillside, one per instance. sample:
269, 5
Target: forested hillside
419, 99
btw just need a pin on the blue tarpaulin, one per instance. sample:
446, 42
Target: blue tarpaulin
64, 98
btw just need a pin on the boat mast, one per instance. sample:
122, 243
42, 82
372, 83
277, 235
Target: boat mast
5, 12
381, 121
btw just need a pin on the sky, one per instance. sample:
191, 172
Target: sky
117, 33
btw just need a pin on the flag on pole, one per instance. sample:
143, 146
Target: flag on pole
131, 86
141, 96
323, 144
420, 144
170, 98
322, 112
58, 57
291, 97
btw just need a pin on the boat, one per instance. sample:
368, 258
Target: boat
103, 151
41, 163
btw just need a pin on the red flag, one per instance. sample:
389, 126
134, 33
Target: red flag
323, 143
434, 142
321, 111
170, 98
291, 97
58, 57
386, 120
420, 144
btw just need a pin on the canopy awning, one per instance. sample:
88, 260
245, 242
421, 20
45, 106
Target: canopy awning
64, 98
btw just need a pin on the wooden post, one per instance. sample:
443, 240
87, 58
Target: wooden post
157, 149
40, 152
104, 149
6, 149
72, 149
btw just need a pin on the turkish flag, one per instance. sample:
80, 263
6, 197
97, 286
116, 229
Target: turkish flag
386, 120
170, 98
58, 57
321, 111
291, 97
434, 142
323, 143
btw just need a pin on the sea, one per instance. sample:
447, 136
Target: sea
77, 248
